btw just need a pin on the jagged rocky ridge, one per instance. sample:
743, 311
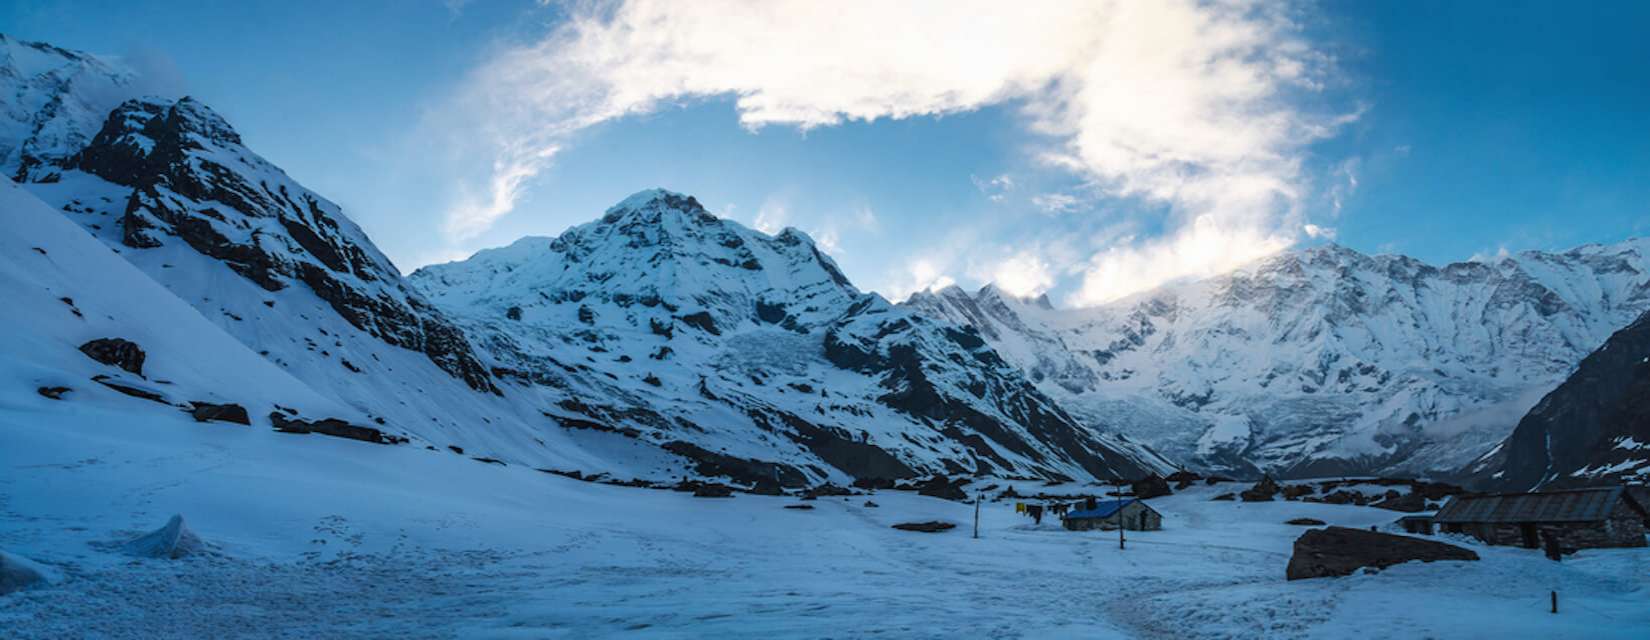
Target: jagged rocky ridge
1594, 429
50, 102
1323, 361
683, 323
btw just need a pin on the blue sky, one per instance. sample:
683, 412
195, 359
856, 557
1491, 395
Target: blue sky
1441, 130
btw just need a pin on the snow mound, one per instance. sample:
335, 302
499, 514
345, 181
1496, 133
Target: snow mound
172, 541
18, 573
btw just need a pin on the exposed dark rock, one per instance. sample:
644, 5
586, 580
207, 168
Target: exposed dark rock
455, 449
55, 393
1297, 491
932, 526
1578, 425
117, 352
1225, 496
800, 507
332, 427
208, 412
1339, 551
874, 483
489, 460
941, 487
1151, 486
191, 177
713, 490
513, 313
1407, 503
1262, 491
701, 321
743, 470
129, 389
870, 505
1306, 522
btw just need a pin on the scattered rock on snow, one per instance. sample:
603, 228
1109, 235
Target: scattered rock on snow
55, 393
332, 427
1306, 522
1407, 503
713, 490
118, 352
1339, 551
1225, 496
933, 526
800, 507
208, 412
1262, 491
172, 541
1151, 486
136, 392
18, 573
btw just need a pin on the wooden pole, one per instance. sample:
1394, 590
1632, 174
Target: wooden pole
1119, 514
977, 497
1555, 602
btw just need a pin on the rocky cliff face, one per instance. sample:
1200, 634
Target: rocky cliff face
195, 183
1323, 361
1594, 429
701, 330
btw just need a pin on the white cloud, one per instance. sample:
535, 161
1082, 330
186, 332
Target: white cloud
1054, 202
1317, 232
1023, 274
995, 189
772, 218
1173, 102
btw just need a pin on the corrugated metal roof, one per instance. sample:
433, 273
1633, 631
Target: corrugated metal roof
1102, 509
1575, 505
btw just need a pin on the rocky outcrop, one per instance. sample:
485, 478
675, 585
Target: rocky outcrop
1339, 551
1593, 429
332, 427
117, 352
1152, 486
193, 180
209, 412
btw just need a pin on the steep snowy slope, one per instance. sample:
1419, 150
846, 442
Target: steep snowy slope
1593, 429
676, 325
51, 103
64, 289
1322, 361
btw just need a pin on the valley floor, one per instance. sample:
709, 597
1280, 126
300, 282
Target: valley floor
318, 537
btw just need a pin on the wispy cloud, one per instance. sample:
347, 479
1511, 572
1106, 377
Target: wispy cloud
1174, 102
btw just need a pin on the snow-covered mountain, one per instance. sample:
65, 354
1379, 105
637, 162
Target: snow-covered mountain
52, 101
1594, 429
1325, 360
657, 341
732, 346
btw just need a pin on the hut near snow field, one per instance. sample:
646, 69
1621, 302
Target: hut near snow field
1133, 514
1575, 518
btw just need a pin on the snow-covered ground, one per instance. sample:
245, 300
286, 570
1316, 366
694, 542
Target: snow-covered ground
319, 537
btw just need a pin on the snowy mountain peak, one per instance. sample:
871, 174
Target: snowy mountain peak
51, 103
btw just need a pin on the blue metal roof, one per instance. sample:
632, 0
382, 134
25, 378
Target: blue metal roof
1102, 509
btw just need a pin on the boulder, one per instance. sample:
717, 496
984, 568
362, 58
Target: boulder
800, 507
1297, 491
1339, 551
933, 526
1407, 503
1306, 522
941, 487
208, 412
117, 352
766, 487
1225, 496
18, 573
1152, 486
55, 393
172, 541
1262, 491
337, 429
874, 483
713, 490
